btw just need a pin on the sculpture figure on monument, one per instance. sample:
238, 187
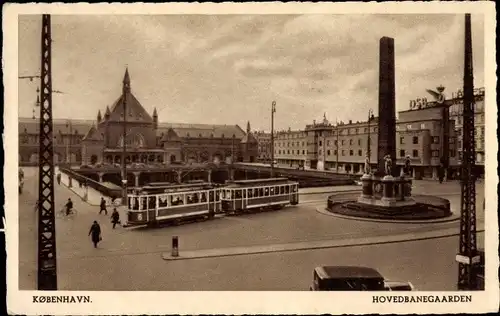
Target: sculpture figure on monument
388, 165
407, 165
367, 165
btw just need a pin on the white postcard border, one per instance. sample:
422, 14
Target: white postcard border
135, 302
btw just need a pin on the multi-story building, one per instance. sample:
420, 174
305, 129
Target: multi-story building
148, 141
426, 133
456, 114
264, 145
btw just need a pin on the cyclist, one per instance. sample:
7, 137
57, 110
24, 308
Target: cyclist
69, 206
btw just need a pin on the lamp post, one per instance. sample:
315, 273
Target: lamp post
368, 145
273, 110
124, 149
337, 141
68, 141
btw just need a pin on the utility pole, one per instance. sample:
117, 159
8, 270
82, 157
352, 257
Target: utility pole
337, 141
273, 110
124, 148
468, 256
47, 258
69, 125
368, 145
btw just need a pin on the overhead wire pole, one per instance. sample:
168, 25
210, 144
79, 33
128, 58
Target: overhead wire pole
273, 110
124, 147
468, 256
337, 156
47, 258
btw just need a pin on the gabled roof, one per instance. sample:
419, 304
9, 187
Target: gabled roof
135, 111
93, 134
249, 138
170, 136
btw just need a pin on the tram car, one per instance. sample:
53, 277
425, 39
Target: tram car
158, 203
245, 195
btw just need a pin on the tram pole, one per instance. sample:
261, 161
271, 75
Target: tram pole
124, 148
468, 257
368, 145
337, 156
47, 257
273, 110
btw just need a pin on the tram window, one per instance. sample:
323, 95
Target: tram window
294, 188
271, 191
244, 193
287, 189
256, 192
277, 190
250, 193
129, 202
162, 201
152, 202
217, 196
177, 200
237, 194
266, 192
144, 203
196, 198
261, 192
282, 190
211, 196
136, 203
189, 199
203, 197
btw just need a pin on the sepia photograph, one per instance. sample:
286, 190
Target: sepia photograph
289, 152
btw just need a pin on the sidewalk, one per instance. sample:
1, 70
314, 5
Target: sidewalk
93, 196
332, 189
236, 251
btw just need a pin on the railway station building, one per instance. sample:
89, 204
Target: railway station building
88, 142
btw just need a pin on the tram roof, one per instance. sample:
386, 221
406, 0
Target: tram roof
176, 185
256, 182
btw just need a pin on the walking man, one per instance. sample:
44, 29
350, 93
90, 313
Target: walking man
115, 218
69, 206
58, 177
103, 206
95, 231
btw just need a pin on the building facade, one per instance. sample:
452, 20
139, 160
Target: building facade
430, 133
89, 142
456, 114
264, 145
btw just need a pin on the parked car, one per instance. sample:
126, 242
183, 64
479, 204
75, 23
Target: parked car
354, 278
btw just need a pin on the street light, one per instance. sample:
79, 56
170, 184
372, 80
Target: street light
337, 141
273, 110
368, 145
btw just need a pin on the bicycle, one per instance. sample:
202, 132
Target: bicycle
62, 213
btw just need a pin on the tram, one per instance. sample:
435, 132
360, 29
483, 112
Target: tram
275, 193
162, 203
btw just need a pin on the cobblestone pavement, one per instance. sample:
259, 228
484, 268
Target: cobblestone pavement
131, 258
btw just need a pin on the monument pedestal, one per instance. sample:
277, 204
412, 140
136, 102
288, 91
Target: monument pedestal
387, 192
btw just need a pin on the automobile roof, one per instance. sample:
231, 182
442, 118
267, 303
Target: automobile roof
337, 272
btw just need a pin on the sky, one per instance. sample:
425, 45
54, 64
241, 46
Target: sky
227, 69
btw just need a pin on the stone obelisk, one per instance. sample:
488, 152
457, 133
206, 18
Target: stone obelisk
386, 106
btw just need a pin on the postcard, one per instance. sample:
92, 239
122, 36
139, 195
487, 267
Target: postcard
251, 158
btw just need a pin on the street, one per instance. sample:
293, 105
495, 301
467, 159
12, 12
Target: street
132, 259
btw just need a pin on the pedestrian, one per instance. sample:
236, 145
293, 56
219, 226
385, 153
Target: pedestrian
58, 178
95, 231
103, 206
115, 218
69, 206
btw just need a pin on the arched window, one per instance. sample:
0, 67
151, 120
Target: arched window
136, 141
